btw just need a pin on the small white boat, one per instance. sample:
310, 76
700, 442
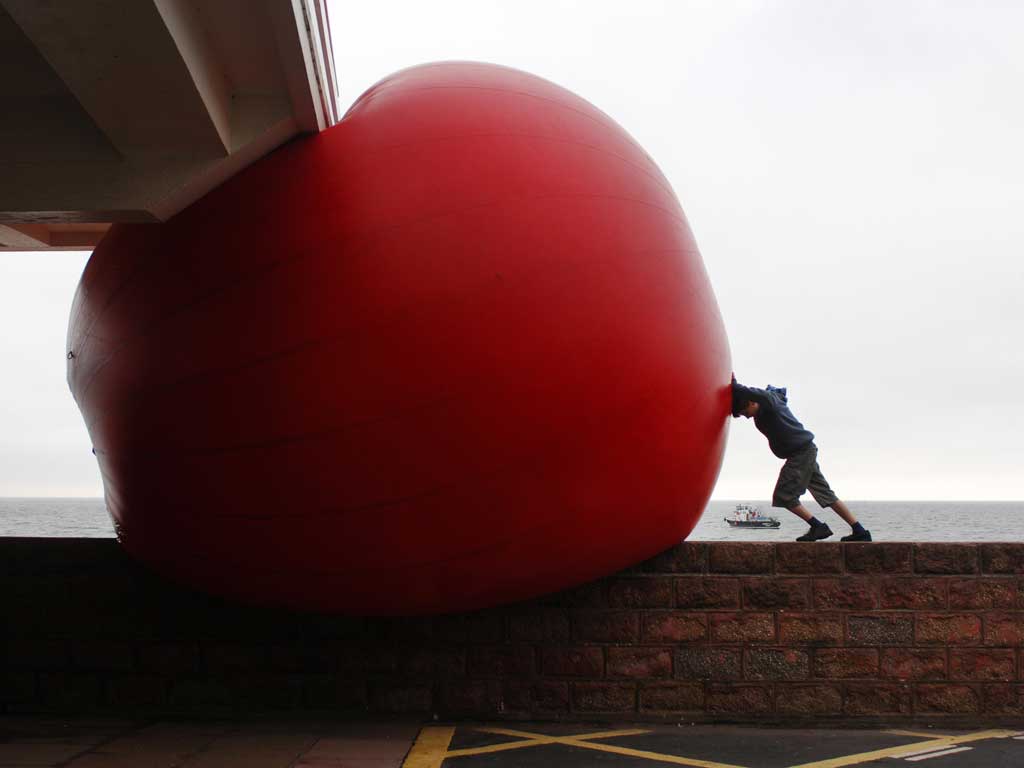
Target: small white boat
747, 516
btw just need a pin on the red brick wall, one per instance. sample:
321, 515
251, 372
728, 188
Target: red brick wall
717, 631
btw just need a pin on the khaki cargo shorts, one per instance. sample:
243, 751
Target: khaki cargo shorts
801, 473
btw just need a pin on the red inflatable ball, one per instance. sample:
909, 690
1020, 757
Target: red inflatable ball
456, 351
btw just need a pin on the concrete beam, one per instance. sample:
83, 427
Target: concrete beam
123, 65
120, 111
51, 237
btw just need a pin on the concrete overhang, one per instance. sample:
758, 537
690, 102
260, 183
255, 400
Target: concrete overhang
129, 111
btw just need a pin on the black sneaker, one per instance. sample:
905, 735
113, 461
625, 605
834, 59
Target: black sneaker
864, 535
816, 533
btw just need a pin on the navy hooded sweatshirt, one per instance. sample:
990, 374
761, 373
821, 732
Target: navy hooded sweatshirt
786, 436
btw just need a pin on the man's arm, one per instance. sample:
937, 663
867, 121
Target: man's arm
753, 394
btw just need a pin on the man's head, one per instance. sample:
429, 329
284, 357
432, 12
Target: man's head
742, 406
750, 409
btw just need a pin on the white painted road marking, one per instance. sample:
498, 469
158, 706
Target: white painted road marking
930, 755
927, 750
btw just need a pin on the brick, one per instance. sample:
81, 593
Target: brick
639, 662
102, 655
1002, 557
550, 696
448, 662
131, 691
877, 699
776, 664
913, 592
945, 558
32, 556
643, 592
708, 664
550, 626
688, 557
808, 699
815, 629
948, 628
377, 661
740, 557
485, 627
593, 595
311, 658
737, 699
796, 557
450, 628
69, 691
398, 698
420, 629
1004, 628
880, 629
38, 653
982, 593
913, 664
850, 594
542, 696
878, 558
981, 664
413, 663
469, 697
672, 697
328, 692
517, 661
951, 699
355, 662
674, 627
697, 592
192, 694
742, 628
1005, 699
219, 658
17, 688
776, 593
333, 627
573, 662
606, 627
262, 691
844, 663
604, 697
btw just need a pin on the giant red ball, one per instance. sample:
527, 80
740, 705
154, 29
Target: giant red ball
458, 350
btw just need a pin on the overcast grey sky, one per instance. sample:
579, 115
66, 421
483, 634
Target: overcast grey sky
854, 176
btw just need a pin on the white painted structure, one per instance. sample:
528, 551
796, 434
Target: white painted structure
129, 110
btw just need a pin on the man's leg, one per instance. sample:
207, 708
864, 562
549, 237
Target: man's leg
802, 512
826, 497
793, 480
844, 512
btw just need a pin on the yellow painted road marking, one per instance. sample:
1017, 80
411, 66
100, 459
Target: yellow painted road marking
430, 748
917, 734
594, 735
905, 749
655, 756
531, 740
584, 740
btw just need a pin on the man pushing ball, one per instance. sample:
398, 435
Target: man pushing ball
790, 440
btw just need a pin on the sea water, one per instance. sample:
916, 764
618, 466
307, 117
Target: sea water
887, 520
